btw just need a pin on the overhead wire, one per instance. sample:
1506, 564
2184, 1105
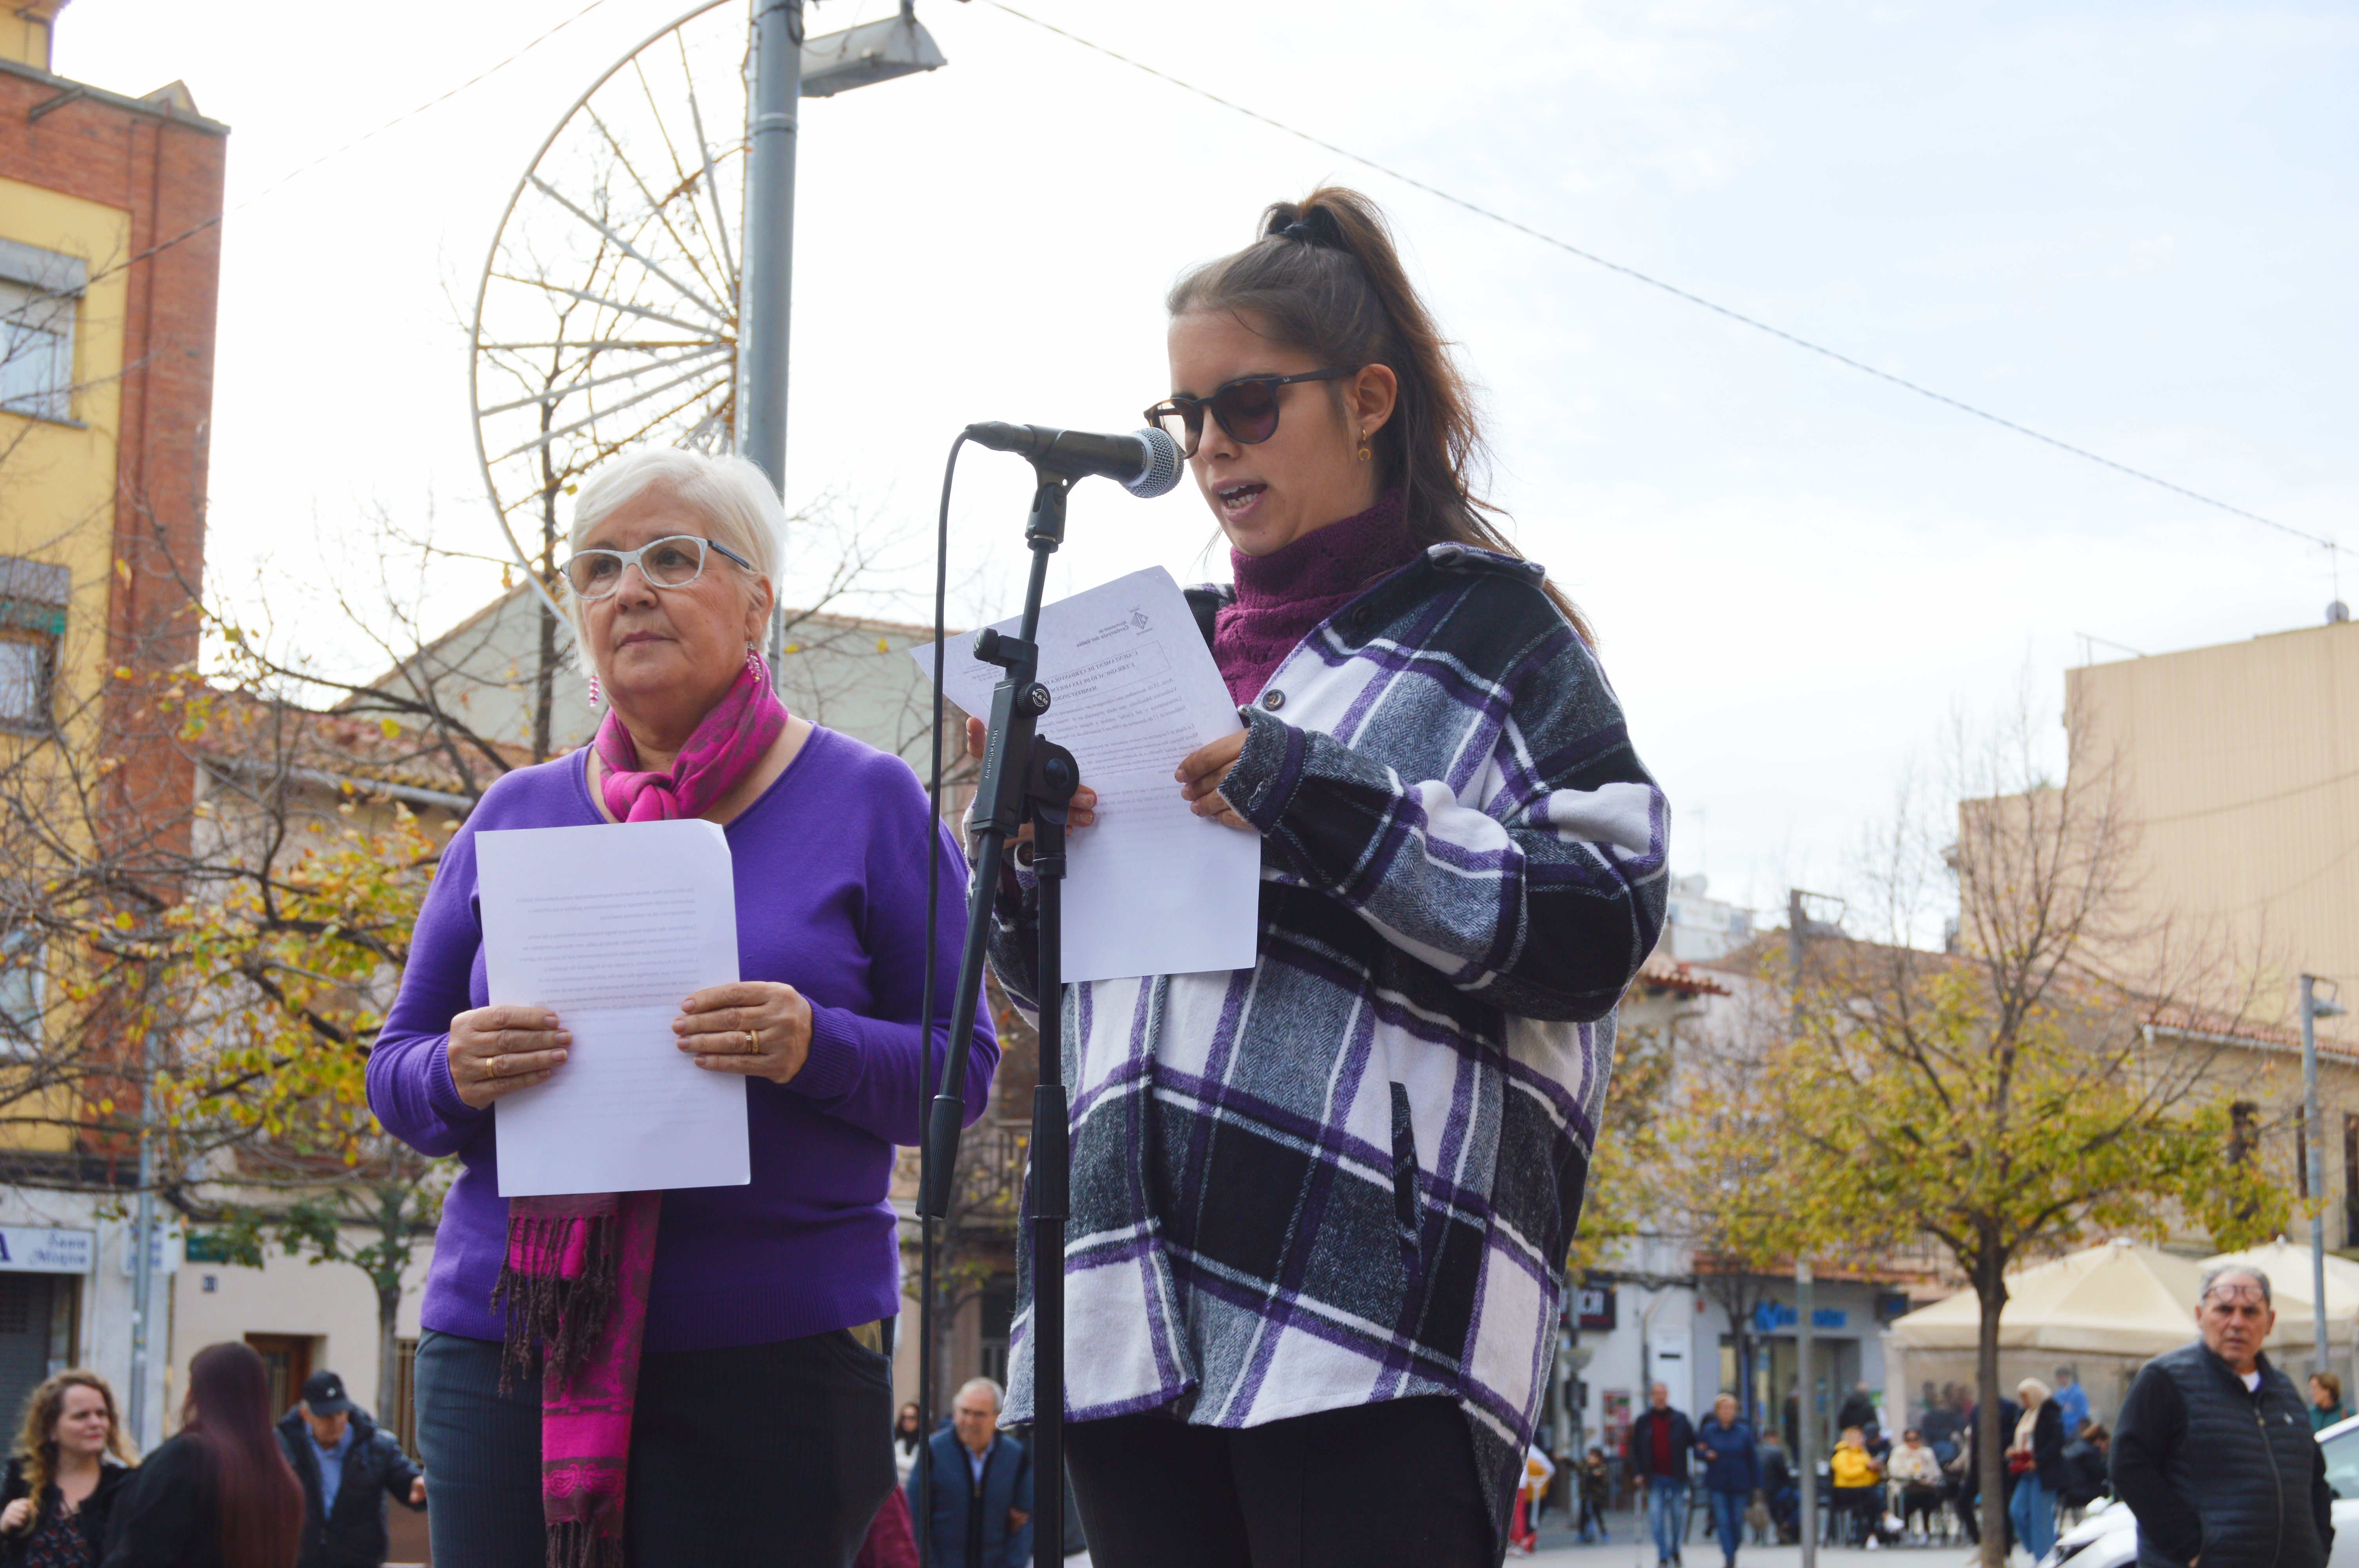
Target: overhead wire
1690, 295
291, 174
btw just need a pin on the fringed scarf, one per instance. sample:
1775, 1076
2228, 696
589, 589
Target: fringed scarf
574, 1284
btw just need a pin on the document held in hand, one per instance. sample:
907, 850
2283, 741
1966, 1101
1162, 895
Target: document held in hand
611, 927
1151, 888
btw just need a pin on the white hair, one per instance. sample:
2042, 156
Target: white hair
737, 502
999, 1395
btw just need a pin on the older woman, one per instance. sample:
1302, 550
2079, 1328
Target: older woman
716, 1353
2035, 1458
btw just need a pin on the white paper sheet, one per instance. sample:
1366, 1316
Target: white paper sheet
611, 928
1151, 888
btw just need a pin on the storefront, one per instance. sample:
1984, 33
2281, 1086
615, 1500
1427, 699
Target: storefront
41, 1276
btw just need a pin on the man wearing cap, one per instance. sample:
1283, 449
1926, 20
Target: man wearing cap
348, 1468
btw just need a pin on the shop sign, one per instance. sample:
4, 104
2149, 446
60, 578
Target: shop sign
24, 1249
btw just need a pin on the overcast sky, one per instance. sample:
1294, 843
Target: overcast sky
2129, 225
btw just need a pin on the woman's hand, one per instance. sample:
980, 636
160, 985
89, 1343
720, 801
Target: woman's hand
1201, 775
1080, 814
15, 1517
758, 1028
495, 1051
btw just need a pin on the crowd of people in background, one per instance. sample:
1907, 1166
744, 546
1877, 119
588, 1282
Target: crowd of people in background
1917, 1486
231, 1488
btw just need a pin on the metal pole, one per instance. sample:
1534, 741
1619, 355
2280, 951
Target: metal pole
2315, 1173
1806, 1414
765, 289
1805, 1403
143, 1266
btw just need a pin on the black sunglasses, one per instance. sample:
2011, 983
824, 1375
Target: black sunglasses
1246, 408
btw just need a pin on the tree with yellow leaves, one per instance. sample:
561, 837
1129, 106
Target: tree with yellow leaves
2057, 1075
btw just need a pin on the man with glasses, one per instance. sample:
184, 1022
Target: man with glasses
2214, 1453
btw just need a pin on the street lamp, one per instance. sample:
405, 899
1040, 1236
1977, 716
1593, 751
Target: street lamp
789, 67
2314, 1008
869, 53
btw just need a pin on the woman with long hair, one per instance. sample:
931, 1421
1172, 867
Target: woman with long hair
1321, 1206
218, 1494
70, 1462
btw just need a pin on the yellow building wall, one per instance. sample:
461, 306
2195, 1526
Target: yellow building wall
58, 480
2240, 765
25, 32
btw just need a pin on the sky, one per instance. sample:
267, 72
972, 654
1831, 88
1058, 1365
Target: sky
2127, 225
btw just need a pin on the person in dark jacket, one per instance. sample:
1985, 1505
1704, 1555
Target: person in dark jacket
2085, 1468
218, 1494
1732, 1471
348, 1468
982, 1483
2213, 1450
1859, 1410
70, 1460
1660, 1441
1596, 1482
1778, 1487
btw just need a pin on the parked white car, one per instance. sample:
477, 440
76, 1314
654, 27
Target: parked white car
2106, 1536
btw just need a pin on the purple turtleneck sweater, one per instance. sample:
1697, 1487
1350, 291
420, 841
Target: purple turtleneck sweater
1283, 595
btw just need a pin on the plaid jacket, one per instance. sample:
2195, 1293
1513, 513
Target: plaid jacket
1350, 1173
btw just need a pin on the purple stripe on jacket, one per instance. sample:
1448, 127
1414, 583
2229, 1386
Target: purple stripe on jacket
831, 882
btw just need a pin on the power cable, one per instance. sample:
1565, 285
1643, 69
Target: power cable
1677, 292
293, 174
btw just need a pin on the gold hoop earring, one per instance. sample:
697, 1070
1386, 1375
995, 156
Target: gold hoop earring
1364, 453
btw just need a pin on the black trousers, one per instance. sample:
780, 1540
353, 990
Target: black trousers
1382, 1485
766, 1456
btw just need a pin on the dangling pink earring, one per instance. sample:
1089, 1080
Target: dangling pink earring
593, 689
753, 661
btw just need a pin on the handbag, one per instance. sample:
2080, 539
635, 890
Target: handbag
2019, 1463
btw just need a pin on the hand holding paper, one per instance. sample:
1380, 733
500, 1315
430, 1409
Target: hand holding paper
1152, 888
611, 927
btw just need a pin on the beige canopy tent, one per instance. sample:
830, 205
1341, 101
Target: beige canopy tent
2101, 1313
2287, 1266
2120, 1299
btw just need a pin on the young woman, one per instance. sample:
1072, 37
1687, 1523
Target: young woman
1319, 1204
218, 1494
70, 1462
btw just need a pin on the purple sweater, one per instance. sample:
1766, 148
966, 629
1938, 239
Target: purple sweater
830, 879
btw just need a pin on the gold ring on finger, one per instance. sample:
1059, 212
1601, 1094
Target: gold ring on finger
753, 1043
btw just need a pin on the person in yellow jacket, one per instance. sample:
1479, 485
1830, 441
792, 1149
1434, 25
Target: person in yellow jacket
1858, 1486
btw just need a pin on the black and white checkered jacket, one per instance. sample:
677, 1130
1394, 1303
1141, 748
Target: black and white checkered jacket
1350, 1173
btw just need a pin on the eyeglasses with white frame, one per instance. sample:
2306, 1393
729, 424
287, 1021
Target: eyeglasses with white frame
671, 562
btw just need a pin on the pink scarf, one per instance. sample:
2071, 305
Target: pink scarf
575, 1280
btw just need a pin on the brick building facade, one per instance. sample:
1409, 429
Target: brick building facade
110, 242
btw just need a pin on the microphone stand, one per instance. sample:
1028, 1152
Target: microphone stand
1025, 778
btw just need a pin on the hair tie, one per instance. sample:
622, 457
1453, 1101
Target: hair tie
1316, 228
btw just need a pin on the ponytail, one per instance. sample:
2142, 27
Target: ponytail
1326, 277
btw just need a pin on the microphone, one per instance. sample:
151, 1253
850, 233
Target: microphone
1146, 463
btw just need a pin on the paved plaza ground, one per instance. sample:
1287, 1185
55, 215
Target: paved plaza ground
1619, 1553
